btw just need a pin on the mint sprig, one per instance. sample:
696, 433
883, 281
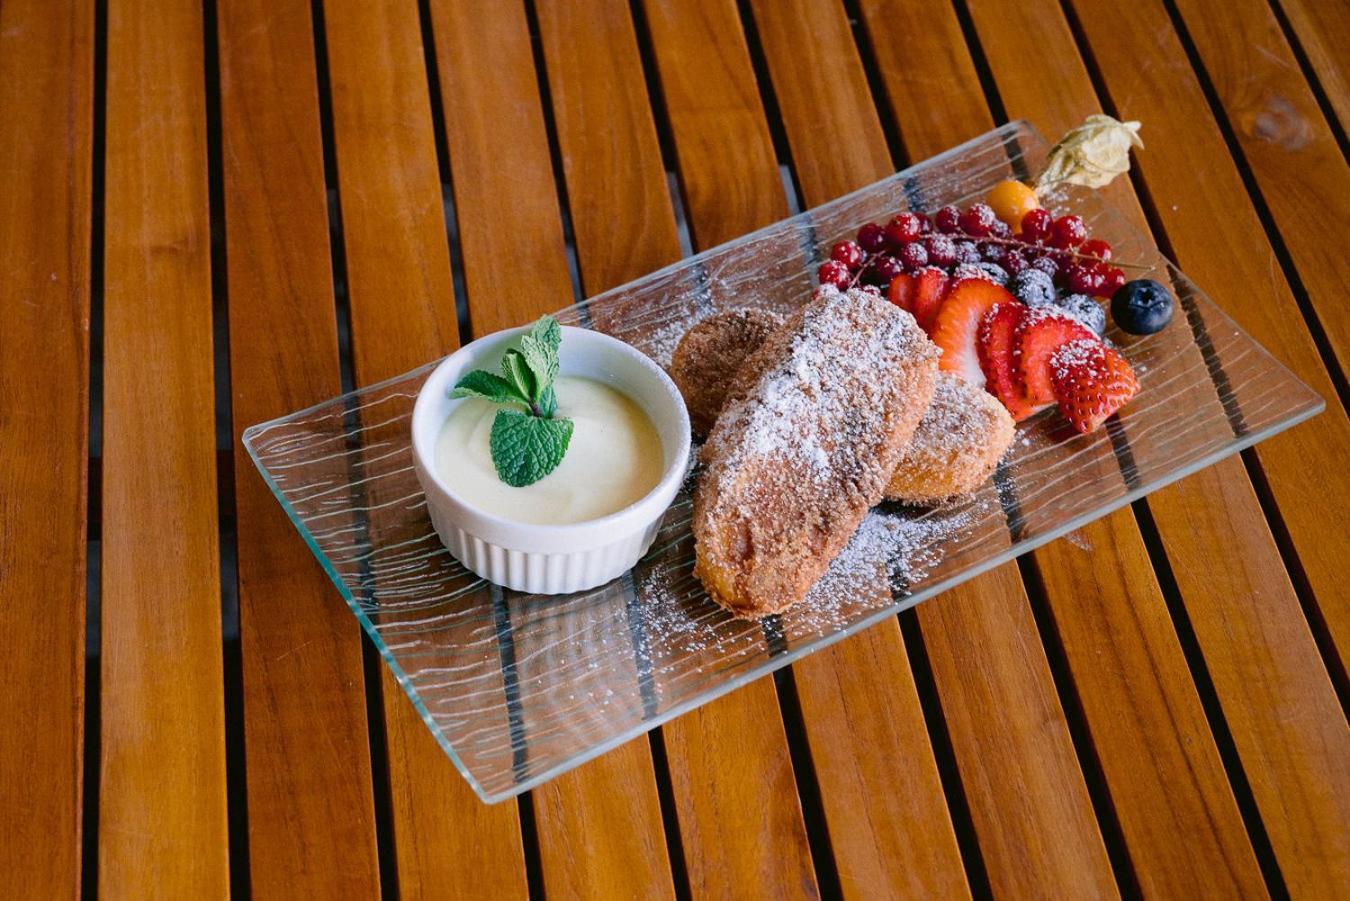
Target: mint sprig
526, 444
526, 448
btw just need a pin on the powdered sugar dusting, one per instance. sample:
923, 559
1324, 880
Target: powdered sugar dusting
887, 550
1077, 354
957, 419
890, 552
792, 390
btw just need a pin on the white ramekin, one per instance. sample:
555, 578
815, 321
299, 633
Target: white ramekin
552, 559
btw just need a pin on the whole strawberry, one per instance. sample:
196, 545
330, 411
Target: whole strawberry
1091, 382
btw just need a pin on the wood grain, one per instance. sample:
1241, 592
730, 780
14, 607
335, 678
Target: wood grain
611, 157
1305, 182
1149, 731
1303, 466
1231, 578
599, 826
1009, 722
46, 105
310, 805
446, 841
1218, 239
162, 807
1323, 30
731, 771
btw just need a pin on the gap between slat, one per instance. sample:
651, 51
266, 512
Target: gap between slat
93, 643
236, 782
370, 662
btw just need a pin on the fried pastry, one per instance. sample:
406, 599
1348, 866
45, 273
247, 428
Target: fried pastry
793, 465
955, 448
709, 355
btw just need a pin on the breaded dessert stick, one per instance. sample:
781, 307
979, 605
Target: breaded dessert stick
793, 466
709, 356
955, 448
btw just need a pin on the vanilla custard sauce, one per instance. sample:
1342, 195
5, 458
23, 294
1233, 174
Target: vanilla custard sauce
614, 458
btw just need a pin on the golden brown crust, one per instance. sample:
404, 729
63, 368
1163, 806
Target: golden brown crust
794, 465
955, 448
709, 356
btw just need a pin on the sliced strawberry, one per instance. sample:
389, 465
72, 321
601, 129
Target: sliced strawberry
957, 322
930, 290
1038, 336
1091, 382
994, 345
901, 292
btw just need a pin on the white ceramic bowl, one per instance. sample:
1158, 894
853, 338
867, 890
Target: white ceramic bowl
552, 559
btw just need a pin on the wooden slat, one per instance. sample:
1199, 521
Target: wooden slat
1160, 762
1323, 30
616, 183
1219, 240
1010, 737
46, 92
1305, 182
310, 805
599, 826
446, 841
731, 771
162, 807
1275, 694
1304, 467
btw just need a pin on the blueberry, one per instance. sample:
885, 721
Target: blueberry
1033, 287
1142, 307
996, 273
1085, 311
1046, 265
967, 252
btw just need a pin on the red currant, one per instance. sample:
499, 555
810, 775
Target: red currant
978, 220
1115, 280
848, 253
1000, 229
941, 250
881, 270
1036, 225
1096, 248
925, 224
1067, 231
947, 219
871, 237
1080, 278
1014, 261
914, 256
833, 272
901, 230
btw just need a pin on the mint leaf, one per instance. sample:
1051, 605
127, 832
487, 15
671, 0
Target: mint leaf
489, 387
526, 448
540, 349
548, 403
517, 372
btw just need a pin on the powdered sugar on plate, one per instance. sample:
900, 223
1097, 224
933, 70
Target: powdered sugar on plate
890, 554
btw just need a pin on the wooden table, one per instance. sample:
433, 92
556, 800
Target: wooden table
214, 214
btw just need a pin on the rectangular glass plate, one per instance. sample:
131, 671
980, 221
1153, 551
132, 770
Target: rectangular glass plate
519, 688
